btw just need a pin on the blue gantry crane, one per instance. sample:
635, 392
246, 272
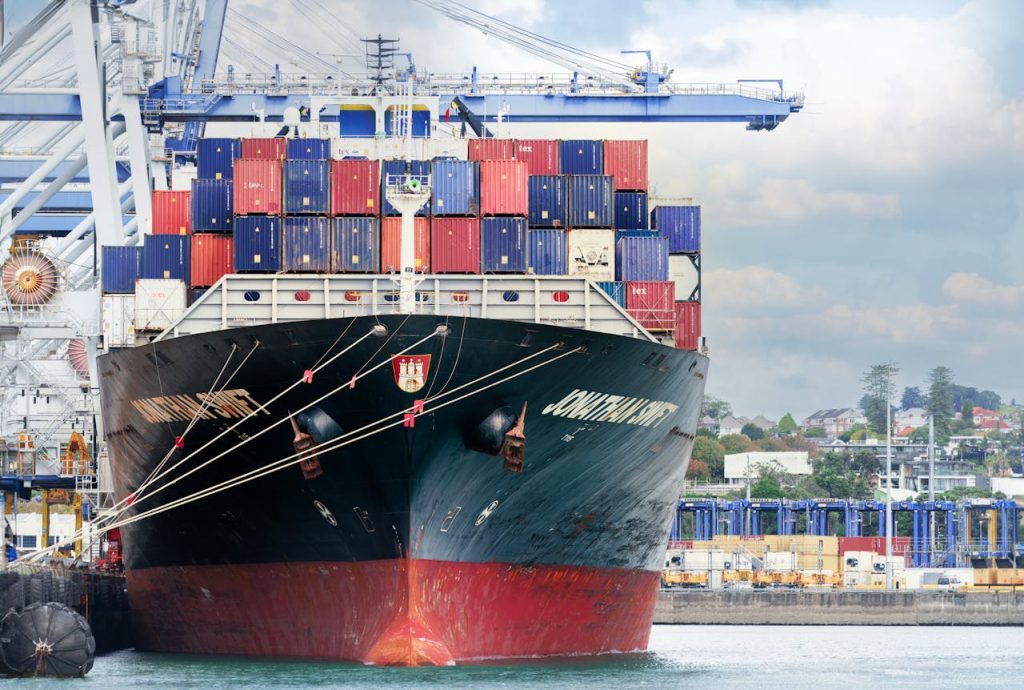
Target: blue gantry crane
107, 94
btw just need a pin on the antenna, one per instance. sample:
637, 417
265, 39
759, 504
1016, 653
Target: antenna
380, 58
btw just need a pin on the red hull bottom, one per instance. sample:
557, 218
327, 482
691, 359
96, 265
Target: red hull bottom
396, 612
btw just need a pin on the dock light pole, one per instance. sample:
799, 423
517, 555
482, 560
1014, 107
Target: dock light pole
931, 486
888, 486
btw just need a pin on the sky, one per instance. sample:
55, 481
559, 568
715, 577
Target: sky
883, 223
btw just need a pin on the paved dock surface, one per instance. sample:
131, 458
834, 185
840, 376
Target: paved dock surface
809, 607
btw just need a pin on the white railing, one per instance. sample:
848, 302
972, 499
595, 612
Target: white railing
251, 300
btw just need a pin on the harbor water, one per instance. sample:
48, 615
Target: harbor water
680, 657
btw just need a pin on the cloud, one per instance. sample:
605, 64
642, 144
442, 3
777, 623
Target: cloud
753, 287
973, 288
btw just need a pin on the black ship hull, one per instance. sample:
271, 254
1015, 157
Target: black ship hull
415, 544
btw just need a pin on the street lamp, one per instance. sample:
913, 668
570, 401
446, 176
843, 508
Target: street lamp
888, 482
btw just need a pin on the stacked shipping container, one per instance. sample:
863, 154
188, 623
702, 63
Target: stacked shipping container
544, 207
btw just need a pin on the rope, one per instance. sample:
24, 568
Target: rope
334, 444
149, 480
271, 426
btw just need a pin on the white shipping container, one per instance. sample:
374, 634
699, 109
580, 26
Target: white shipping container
683, 273
780, 561
117, 317
159, 303
592, 254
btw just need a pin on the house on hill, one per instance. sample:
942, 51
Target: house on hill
835, 421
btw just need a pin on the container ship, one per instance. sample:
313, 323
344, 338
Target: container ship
415, 409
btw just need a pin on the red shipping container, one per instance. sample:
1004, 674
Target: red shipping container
264, 149
626, 161
212, 256
490, 149
504, 188
455, 245
355, 188
900, 545
391, 244
541, 155
687, 334
172, 213
652, 304
257, 187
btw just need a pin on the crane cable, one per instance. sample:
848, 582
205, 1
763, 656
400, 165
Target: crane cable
327, 446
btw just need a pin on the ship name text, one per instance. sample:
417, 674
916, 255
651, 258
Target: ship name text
228, 404
604, 407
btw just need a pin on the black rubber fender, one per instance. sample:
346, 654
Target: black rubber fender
46, 640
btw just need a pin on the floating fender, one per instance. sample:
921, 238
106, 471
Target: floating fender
46, 640
488, 436
318, 424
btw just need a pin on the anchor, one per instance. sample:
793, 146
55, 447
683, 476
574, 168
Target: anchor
513, 448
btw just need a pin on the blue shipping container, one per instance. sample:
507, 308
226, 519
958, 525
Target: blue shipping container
549, 201
681, 225
307, 186
455, 188
615, 289
581, 157
308, 149
120, 269
547, 252
418, 168
641, 259
355, 245
631, 210
590, 201
306, 244
215, 158
166, 256
213, 205
257, 244
503, 244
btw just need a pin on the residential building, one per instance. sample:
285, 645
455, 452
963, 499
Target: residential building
729, 424
910, 465
741, 467
982, 415
835, 421
734, 425
913, 418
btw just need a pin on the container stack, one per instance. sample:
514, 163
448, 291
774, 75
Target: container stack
504, 207
355, 207
455, 211
531, 206
211, 245
306, 238
680, 226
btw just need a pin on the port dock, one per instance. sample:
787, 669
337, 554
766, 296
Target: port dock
838, 607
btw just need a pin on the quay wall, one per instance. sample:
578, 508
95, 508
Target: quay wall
809, 607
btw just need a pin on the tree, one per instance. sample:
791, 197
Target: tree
712, 454
752, 431
766, 487
841, 476
940, 399
879, 389
771, 445
737, 443
989, 400
912, 397
787, 425
967, 414
815, 432
697, 470
715, 408
919, 435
